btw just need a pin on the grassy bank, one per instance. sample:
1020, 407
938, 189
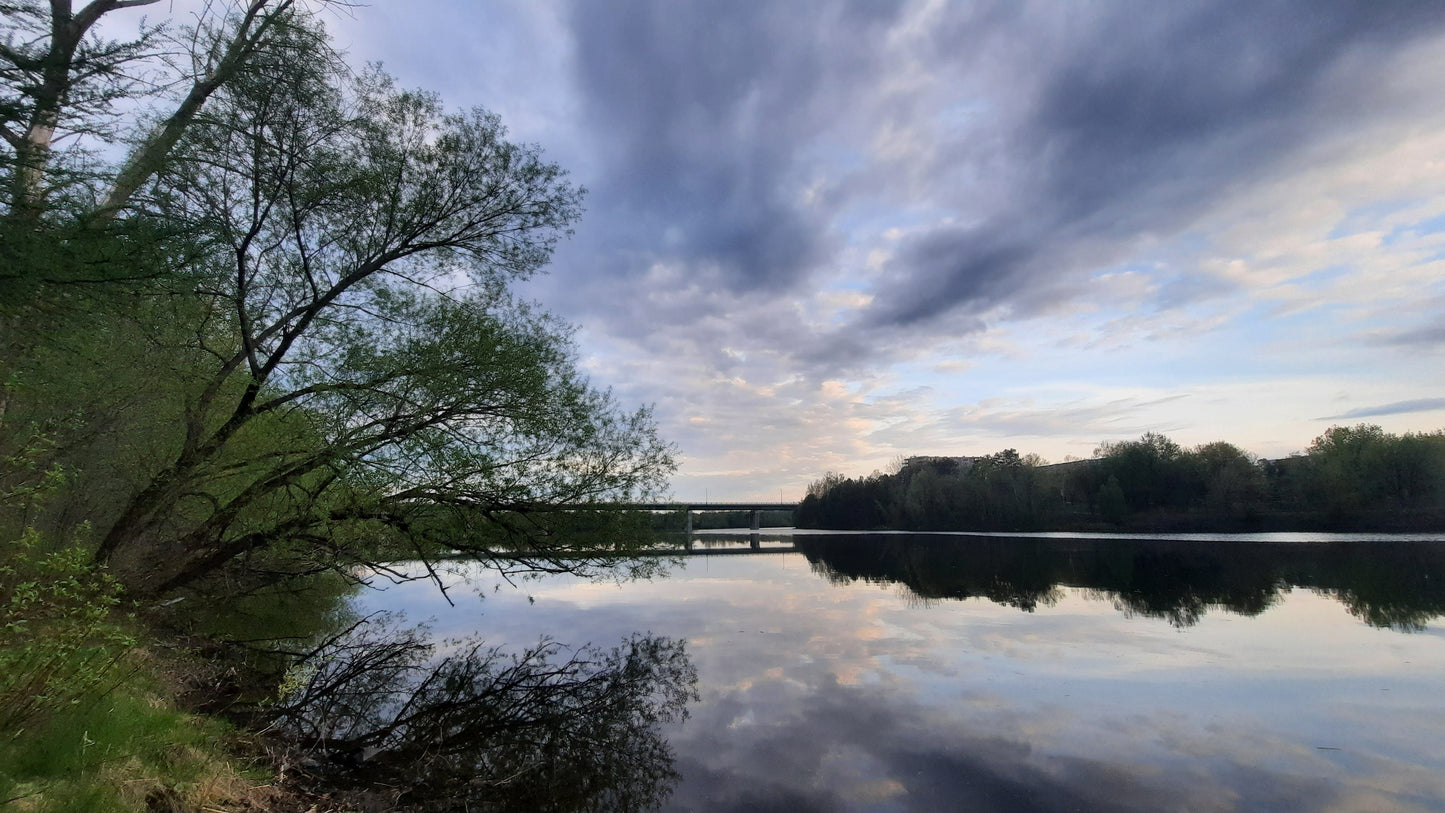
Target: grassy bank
87, 708
127, 748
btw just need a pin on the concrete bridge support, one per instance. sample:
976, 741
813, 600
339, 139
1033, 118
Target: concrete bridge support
757, 520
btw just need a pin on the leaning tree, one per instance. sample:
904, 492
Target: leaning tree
326, 262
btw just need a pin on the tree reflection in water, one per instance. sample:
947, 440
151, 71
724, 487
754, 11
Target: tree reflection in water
1385, 583
393, 719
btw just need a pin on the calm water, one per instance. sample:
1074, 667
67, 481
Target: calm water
964, 672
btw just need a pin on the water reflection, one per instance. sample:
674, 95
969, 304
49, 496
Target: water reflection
906, 678
721, 543
1395, 584
378, 718
376, 713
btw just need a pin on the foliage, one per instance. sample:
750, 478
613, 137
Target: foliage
1152, 471
276, 339
59, 646
1351, 477
1113, 505
64, 87
1358, 468
1234, 482
1003, 490
85, 727
318, 269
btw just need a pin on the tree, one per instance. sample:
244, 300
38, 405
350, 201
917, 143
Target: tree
1365, 467
62, 80
356, 381
1006, 486
67, 95
1152, 471
1112, 505
1233, 480
829, 481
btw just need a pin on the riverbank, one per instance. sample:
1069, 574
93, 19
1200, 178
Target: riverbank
129, 745
114, 706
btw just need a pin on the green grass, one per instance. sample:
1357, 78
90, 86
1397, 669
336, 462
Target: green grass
86, 722
110, 753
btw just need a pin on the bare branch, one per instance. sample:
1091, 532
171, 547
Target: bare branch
147, 160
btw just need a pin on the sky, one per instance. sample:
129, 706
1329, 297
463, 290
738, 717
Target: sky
822, 236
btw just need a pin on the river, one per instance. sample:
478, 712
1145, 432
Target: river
1061, 672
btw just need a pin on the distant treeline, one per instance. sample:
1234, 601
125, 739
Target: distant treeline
1358, 477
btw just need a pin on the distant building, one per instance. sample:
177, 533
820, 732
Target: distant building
940, 465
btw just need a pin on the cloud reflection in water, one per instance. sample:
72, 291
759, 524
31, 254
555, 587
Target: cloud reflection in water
862, 695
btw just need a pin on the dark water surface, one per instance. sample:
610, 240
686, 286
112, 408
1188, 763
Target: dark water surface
905, 672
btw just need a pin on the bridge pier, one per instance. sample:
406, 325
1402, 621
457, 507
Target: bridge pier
687, 526
757, 519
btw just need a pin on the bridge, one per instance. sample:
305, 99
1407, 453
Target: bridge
757, 509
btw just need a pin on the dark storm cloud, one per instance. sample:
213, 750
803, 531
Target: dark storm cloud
701, 111
1087, 130
1396, 408
1140, 119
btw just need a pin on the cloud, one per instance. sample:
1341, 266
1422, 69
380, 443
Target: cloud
987, 198
1425, 337
703, 113
757, 154
1396, 408
1135, 127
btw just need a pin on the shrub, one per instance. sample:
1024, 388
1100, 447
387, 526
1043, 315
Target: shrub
58, 645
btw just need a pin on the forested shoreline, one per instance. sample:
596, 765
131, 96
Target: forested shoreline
1350, 478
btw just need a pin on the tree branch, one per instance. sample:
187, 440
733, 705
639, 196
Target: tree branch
147, 160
